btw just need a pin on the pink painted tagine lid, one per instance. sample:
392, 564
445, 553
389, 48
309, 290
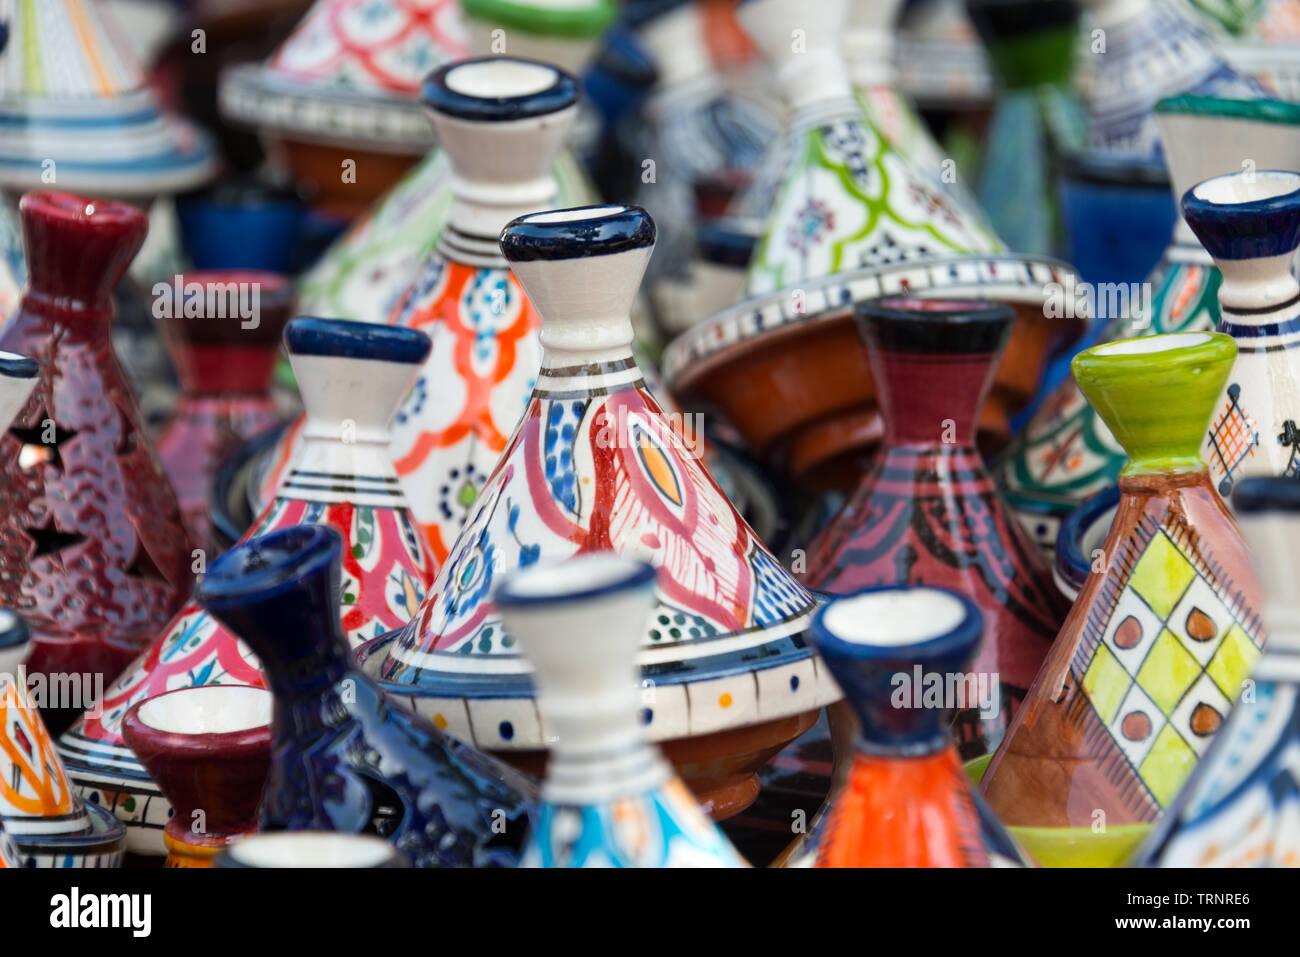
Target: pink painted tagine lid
595, 465
352, 376
350, 73
76, 109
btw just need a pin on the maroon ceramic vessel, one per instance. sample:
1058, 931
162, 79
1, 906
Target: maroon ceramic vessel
927, 512
222, 329
209, 749
92, 550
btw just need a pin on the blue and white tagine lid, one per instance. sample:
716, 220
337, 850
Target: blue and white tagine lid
77, 115
595, 465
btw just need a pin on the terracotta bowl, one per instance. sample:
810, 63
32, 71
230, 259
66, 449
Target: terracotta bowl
318, 169
800, 390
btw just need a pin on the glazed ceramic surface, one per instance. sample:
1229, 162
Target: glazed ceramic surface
342, 757
1250, 223
223, 331
1163, 633
609, 799
1148, 50
208, 747
926, 512
78, 112
564, 34
350, 73
1240, 807
907, 801
311, 849
92, 550
853, 219
48, 823
869, 51
594, 465
1066, 453
1037, 118
352, 376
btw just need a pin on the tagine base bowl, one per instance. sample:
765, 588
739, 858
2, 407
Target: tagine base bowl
320, 165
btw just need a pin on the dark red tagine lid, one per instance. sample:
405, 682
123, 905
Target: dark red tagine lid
92, 550
927, 513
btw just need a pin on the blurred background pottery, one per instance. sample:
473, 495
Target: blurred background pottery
222, 330
208, 747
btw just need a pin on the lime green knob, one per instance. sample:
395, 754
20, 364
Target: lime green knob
1157, 394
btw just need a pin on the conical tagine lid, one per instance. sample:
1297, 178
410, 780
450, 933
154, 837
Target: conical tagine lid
350, 73
35, 796
1165, 629
1141, 51
351, 375
595, 465
1066, 453
77, 112
853, 218
1242, 806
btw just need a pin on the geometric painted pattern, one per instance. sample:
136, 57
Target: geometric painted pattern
1170, 662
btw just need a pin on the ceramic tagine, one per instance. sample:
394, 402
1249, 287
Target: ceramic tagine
502, 121
313, 849
595, 465
1250, 223
940, 59
364, 273
853, 220
78, 112
351, 376
1066, 454
1263, 39
610, 799
564, 34
869, 51
49, 825
1139, 52
209, 749
343, 88
1239, 808
343, 758
223, 331
926, 512
907, 801
1161, 636
1037, 119
92, 550
703, 141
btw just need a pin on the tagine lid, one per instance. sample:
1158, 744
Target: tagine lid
595, 465
75, 101
350, 73
860, 221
